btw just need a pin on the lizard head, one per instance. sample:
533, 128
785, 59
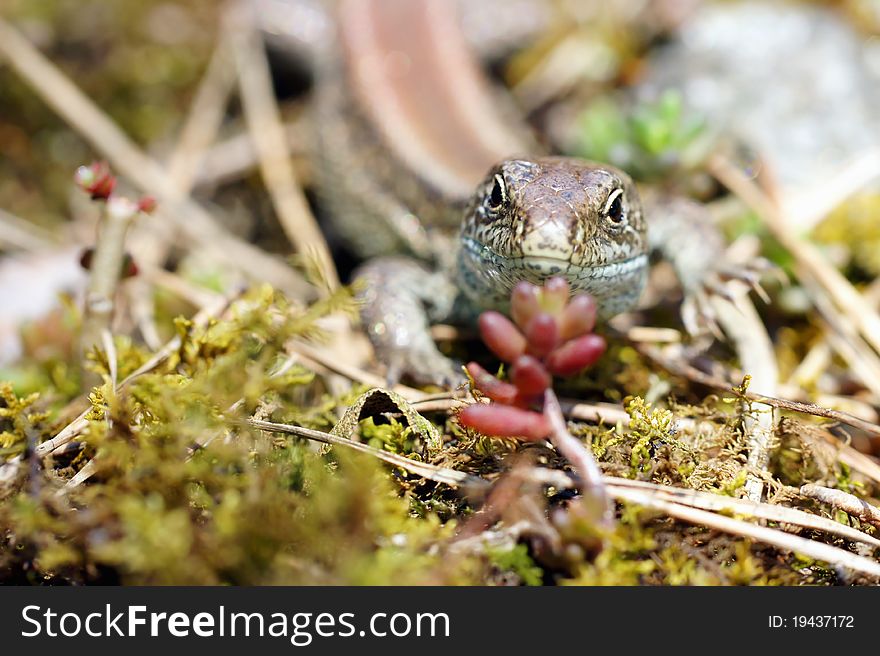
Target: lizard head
531, 219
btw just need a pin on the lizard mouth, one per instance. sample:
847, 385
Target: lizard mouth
538, 267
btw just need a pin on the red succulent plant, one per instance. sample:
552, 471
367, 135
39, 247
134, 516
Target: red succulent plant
550, 335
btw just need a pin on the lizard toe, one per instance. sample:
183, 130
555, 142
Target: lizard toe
424, 368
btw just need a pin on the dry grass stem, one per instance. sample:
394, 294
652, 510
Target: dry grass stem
204, 118
681, 368
651, 496
815, 203
810, 263
270, 140
779, 539
326, 362
155, 236
57, 90
745, 507
16, 233
844, 501
744, 327
235, 157
105, 273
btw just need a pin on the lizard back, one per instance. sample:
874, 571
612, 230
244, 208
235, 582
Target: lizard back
407, 124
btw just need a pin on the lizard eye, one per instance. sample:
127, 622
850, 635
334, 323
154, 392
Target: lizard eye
614, 208
498, 196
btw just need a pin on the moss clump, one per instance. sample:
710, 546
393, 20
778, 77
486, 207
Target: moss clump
854, 226
184, 493
517, 563
18, 418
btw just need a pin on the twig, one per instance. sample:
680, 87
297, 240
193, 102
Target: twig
313, 356
57, 90
204, 118
819, 356
855, 460
653, 334
578, 455
651, 495
687, 371
199, 296
88, 470
844, 501
104, 276
810, 263
846, 454
622, 489
270, 140
110, 349
443, 475
843, 336
759, 510
791, 543
817, 201
23, 235
235, 157
155, 236
744, 327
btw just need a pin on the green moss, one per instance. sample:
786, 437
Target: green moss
518, 562
854, 226
651, 141
185, 492
17, 418
393, 436
647, 427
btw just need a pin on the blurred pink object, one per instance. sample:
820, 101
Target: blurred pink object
29, 290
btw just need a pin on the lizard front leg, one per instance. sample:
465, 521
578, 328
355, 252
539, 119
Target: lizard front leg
400, 298
684, 233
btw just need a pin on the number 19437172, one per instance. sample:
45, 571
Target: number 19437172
811, 622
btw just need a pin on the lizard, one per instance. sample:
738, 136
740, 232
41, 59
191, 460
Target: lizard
432, 178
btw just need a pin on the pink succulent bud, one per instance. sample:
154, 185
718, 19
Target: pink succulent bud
505, 421
96, 179
575, 355
551, 336
578, 318
525, 303
542, 334
489, 385
501, 336
554, 296
147, 204
530, 376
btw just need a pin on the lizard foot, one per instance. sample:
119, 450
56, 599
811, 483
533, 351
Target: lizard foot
726, 281
423, 367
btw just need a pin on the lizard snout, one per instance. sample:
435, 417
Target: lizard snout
547, 241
